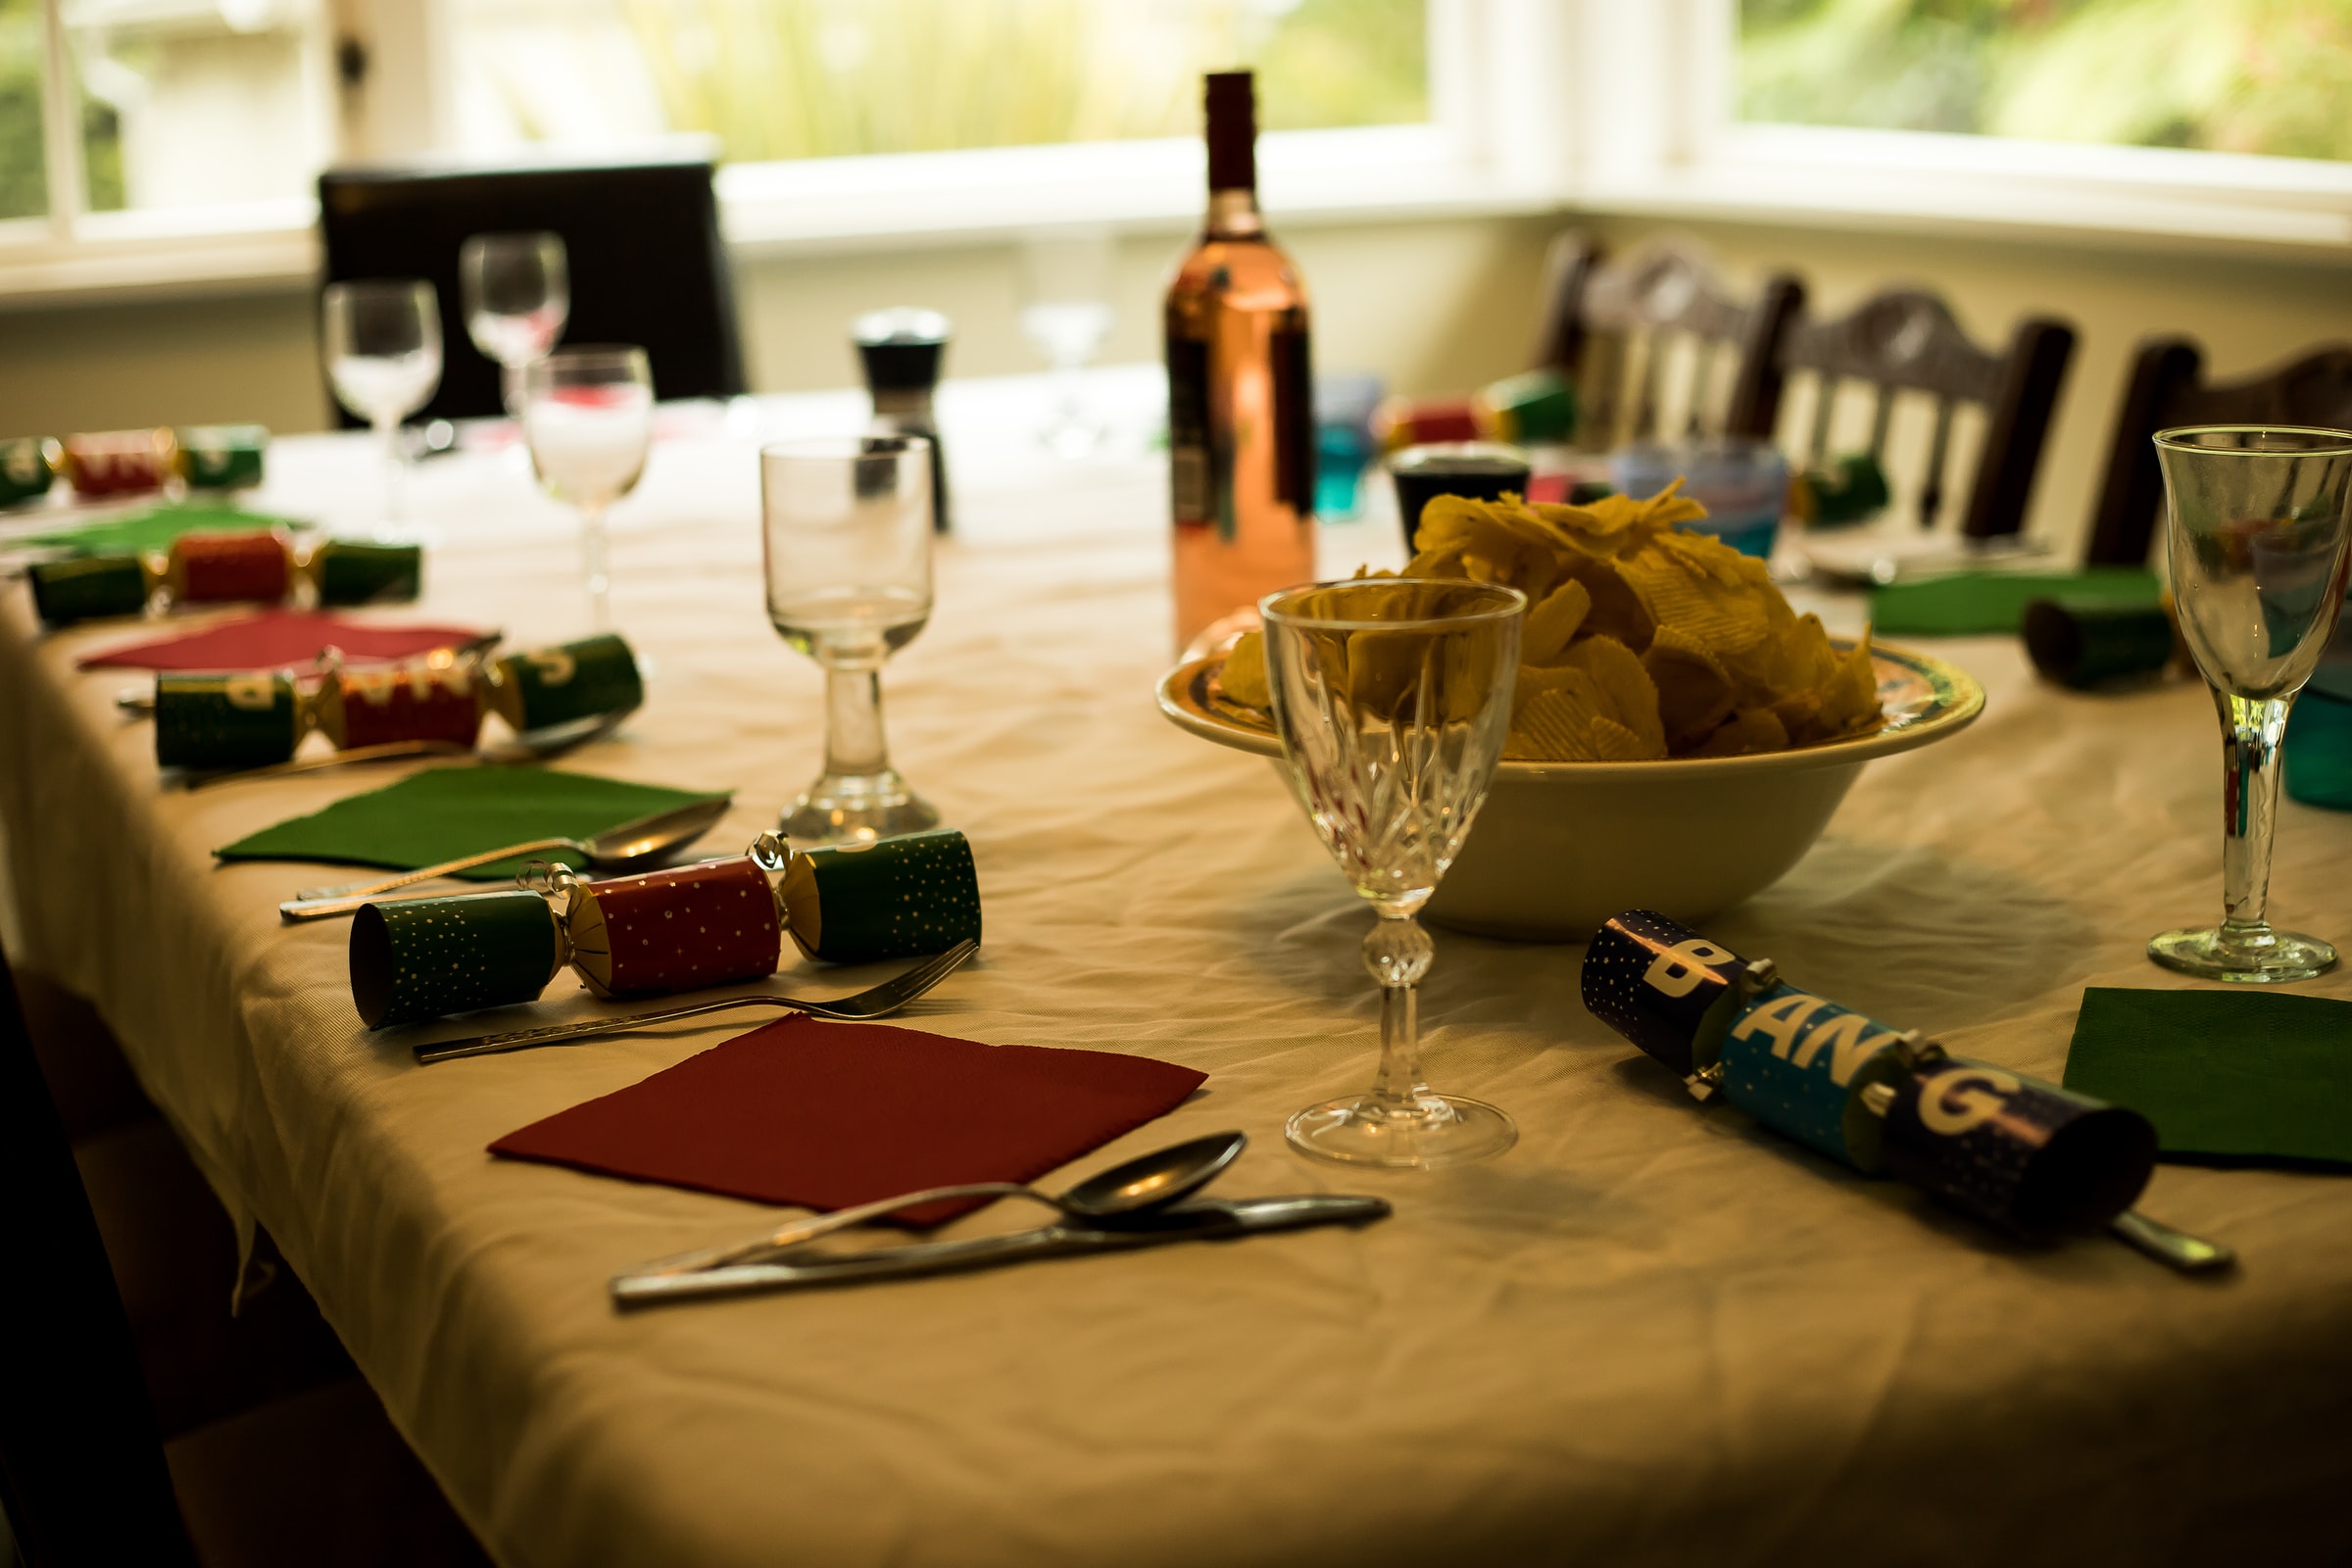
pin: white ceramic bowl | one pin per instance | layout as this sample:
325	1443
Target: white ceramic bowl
1560	847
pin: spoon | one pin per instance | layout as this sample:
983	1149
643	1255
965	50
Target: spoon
1148	1182
615	849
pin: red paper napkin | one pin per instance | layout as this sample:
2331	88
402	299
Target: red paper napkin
826	1115
279	637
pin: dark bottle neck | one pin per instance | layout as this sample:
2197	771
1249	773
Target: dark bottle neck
1232	130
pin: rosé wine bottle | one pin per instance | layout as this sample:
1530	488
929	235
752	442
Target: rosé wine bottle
1241	393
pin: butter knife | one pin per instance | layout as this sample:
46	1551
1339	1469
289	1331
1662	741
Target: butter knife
1198	1221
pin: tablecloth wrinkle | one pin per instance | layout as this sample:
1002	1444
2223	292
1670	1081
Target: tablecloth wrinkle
1651	1333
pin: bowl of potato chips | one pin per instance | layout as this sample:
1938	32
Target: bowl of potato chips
1679	736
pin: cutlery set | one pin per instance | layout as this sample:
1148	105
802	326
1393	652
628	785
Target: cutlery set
1147	1201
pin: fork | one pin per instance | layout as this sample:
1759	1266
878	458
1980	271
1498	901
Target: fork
553	744
879	1001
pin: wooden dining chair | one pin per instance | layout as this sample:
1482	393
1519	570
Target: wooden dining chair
1642	337
2167	388
641	241
86	1479
1905	340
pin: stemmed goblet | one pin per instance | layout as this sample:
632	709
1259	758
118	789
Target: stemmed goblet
517	295
847	528
1067	314
588	417
2256	538
1392	697
382	342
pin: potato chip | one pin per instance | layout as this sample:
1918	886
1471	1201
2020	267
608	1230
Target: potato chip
1243	678
1695	693
1555	619
1617	610
1628	699
1745	734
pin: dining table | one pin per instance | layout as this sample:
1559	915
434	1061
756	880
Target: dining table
1651	1332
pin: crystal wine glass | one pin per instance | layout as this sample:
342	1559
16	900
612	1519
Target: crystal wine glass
588	417
1067	314
1392	697
517	295
382	342
2256	538
846	525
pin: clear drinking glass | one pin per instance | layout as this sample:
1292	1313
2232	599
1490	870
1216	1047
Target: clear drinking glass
588	417
517	295
847	524
1392	697
1067	314
2256	540
381	338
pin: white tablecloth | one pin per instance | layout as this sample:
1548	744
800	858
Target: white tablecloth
1650	1333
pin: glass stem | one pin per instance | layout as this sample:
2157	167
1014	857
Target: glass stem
1397	954
854	744
387	436
596	557
2251	730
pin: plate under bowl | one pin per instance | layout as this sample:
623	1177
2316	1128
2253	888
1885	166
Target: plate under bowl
1560	847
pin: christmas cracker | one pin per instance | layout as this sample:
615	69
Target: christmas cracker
2028	1156
715	923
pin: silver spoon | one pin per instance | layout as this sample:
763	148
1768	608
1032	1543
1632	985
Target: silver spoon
1151	1181
616	849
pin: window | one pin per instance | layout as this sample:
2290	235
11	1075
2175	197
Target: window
2264	76
832	79
191	102
23	180
164	104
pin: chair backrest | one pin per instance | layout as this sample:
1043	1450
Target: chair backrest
1615	326
81	1464
2165	390
647	263
1905	339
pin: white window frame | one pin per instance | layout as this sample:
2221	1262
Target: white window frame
1537	106
1660	138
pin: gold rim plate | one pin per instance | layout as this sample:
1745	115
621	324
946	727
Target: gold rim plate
1922	699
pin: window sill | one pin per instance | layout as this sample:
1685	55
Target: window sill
2111	197
1306	178
912	201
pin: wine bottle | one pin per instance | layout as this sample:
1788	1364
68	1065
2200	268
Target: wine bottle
1241	391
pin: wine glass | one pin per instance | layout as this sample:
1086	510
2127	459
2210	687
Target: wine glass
588	417
1067	314
1392	697
517	294
382	342
2256	540
846	527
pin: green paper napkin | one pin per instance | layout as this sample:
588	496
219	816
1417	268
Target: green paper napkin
445	812
137	532
2234	1074
1971	603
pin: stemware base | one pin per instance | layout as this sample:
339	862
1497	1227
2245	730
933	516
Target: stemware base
1429	1131
856	808
2256	957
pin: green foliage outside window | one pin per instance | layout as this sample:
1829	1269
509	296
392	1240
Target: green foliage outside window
23	182
2267	76
816	78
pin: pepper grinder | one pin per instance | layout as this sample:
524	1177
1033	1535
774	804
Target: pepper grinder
902	349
